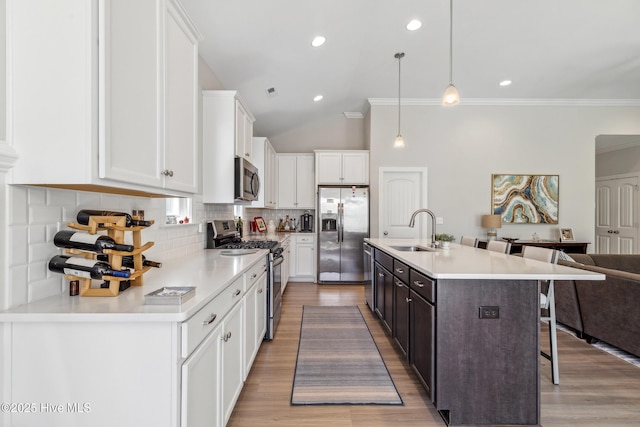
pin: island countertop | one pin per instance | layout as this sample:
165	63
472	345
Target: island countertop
464	262
208	271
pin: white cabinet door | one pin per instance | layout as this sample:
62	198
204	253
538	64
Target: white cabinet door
329	168
305	190
264	159
617	216
303	257
286	264
271	174
355	168
342	167
181	106
305	260
255	321
232	360
131	144
201	384
244	132
287	175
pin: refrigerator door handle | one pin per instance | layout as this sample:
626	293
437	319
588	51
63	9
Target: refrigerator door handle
340	222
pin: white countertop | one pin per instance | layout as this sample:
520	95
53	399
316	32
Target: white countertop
208	270
464	262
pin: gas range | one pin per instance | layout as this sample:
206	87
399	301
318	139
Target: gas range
222	234
251	244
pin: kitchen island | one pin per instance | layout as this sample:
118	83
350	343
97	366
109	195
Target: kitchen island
107	361
467	320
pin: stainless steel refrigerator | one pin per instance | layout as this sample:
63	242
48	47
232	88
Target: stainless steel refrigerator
343	223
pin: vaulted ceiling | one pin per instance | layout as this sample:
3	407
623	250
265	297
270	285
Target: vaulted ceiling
551	50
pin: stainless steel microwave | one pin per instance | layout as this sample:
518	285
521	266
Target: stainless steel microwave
247	181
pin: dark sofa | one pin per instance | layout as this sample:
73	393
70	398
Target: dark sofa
606	310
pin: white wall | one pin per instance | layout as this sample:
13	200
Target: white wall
337	132
462	146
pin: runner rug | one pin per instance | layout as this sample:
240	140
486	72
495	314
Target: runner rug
338	361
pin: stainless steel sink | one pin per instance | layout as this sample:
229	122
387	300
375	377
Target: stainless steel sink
413	248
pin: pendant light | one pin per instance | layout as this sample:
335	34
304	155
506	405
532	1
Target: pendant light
451	96
399	141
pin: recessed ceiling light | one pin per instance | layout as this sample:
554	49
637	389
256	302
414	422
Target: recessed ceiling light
505	83
317	98
318	41
414	25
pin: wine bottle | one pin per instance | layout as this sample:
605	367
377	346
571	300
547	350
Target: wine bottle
127	261
82	267
84	214
88	242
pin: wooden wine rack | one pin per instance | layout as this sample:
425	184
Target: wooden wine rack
116	229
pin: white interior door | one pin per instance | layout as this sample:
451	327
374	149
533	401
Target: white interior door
402	191
617	216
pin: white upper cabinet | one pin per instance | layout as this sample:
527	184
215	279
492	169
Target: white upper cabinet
264	158
222	113
342	167
295	181
117	106
244	132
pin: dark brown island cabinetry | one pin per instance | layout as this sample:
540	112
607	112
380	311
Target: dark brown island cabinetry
478	367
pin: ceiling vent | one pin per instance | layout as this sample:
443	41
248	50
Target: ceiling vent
353	115
271	92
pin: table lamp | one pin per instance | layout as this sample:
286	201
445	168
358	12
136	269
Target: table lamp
491	223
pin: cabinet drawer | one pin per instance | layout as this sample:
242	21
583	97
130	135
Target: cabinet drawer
204	321
304	239
401	271
423	286
384	259
251	276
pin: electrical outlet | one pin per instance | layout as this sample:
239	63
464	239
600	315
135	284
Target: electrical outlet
489	312
439	220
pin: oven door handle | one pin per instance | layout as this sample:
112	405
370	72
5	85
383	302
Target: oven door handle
277	261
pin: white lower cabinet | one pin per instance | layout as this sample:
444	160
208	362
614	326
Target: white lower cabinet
232	372
106	371
200	385
303	258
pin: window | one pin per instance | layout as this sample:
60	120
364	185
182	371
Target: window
178	210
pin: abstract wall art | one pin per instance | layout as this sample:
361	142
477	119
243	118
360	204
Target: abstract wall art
525	199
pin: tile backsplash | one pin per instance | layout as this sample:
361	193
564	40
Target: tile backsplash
36	214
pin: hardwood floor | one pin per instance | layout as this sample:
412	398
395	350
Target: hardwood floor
596	389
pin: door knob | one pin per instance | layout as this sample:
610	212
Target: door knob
386	233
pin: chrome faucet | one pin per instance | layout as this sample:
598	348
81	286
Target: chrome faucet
412	223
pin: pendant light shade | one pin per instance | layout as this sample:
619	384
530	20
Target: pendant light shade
399	141
451	96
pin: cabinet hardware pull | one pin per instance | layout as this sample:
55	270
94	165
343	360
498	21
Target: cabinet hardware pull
609	231
399	284
260	290
167	172
418	284
408	300
254	276
616	232
236	293
228	335
399	270
380	275
210	319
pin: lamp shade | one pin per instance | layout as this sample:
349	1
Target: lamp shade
491	221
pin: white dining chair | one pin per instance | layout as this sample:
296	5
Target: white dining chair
547	302
499	246
469	241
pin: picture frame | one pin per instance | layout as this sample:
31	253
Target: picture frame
260	224
566	235
525	199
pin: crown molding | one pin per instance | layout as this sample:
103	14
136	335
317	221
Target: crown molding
511	102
